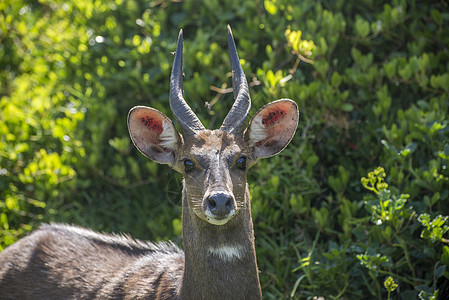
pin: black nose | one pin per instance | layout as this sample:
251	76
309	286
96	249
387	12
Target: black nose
220	205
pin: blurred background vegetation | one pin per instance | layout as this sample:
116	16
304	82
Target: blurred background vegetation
371	79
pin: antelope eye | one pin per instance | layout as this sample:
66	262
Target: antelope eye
241	163
189	166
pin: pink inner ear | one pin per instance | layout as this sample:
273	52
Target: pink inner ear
146	126
273	116
272	128
152	123
278	115
153	134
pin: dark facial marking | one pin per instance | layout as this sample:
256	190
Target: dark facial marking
272	117
152	124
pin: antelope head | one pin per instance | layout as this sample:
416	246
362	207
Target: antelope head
214	163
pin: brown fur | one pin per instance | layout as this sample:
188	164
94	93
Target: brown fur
65	262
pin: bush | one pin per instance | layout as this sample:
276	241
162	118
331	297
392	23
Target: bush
372	83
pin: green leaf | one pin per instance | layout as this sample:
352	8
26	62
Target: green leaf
436	16
348	107
439	271
362	27
270	6
409	149
336	80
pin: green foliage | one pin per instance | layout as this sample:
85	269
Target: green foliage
390	285
435	229
371	80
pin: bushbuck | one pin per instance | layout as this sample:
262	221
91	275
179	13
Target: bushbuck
60	261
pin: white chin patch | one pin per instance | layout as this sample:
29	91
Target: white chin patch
214	221
227	253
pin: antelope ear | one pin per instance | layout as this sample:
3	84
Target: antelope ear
272	128
153	134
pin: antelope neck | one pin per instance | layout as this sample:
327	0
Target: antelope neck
220	260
